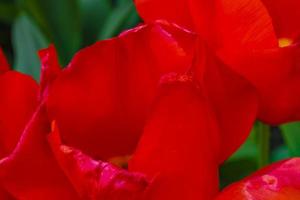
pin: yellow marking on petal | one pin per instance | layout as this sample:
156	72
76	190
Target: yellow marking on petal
285	42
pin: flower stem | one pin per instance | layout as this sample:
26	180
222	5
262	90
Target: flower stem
263	135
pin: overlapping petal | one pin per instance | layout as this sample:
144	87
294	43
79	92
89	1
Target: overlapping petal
233	99
275	73
245	36
180	144
96	179
280	181
101	99
50	69
30	171
285	16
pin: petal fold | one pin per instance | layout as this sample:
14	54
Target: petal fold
285	16
102	98
50	67
30	171
233	99
96	179
180	143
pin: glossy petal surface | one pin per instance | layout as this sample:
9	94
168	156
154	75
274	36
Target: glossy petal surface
280	181
179	147
101	99
96	179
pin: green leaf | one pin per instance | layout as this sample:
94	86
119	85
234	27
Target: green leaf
291	135
94	13
122	17
236	170
27	40
60	22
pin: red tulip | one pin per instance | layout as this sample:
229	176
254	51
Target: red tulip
101	103
104	95
280	181
256	38
178	158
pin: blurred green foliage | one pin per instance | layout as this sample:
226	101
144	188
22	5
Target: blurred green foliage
29	25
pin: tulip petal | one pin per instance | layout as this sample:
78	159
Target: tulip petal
275	74
285	16
5	196
96	179
179	147
280	181
30	171
243	25
233	99
151	10
50	67
18	99
222	23
102	98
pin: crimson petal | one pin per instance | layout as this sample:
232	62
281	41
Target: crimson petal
285	16
18	99
30	171
179	147
234	100
96	179
100	101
